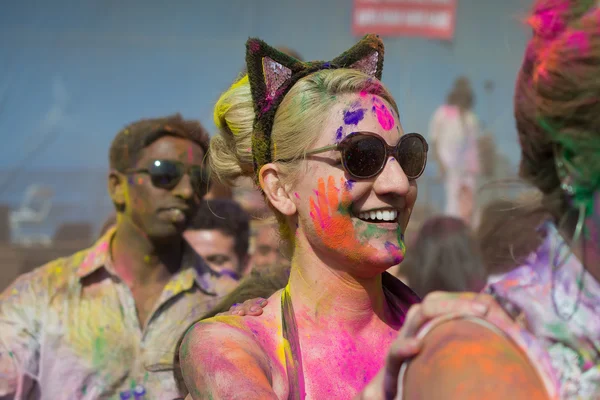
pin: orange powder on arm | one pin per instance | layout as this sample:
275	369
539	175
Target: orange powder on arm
464	360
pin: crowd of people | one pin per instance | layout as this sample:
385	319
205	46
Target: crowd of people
271	262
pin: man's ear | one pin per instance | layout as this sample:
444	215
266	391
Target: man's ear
275	191
117	189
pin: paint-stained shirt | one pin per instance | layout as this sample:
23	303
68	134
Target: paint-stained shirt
69	329
562	308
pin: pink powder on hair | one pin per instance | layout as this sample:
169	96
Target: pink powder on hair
579	41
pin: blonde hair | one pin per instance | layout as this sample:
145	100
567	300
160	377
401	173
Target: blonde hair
297	123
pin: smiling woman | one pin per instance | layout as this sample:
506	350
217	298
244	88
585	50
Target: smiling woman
324	142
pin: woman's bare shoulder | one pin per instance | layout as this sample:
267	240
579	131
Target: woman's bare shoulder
225	349
468	360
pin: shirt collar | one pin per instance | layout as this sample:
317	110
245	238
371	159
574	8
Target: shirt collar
193	268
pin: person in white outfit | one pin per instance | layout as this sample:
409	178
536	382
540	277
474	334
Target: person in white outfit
453	131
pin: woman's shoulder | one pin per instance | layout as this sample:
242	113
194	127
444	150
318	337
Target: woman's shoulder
256	328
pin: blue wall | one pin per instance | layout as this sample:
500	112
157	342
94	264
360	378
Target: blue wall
72	73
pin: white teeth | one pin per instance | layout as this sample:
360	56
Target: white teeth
379	215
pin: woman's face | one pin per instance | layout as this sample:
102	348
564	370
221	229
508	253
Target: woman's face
352	222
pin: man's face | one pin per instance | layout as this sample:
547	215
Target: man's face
266	249
217	249
160	212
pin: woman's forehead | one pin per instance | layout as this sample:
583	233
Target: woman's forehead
360	112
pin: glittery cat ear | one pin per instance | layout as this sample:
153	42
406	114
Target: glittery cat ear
269	72
275	75
365	56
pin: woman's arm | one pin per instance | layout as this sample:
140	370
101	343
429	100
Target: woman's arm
461	359
220	361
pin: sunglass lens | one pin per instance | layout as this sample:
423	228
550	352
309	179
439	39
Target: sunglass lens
364	156
411	156
165	174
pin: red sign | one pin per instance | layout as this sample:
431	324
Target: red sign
425	18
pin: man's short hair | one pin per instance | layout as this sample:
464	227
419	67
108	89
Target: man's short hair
228	217
127	146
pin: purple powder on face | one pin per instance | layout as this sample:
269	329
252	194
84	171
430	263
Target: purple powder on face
339	133
349	184
354	117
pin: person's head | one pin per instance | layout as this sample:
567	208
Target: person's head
266	250
158	175
220	233
461	95
556	105
321	204
445	256
507	233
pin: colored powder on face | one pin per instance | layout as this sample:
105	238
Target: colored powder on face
140	180
353	117
130	180
349	184
384	116
332	220
363	94
339	133
395	252
297	195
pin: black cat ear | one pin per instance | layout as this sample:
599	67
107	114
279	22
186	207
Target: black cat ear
269	72
365	56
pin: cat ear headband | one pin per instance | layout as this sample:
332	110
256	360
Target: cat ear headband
272	74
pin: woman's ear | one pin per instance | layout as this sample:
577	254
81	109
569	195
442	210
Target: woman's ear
274	189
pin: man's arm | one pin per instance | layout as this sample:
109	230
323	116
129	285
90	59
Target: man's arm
465	360
19	344
219	361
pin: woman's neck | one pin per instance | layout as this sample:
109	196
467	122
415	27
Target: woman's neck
326	296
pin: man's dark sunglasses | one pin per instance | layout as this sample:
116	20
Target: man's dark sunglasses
365	154
166	174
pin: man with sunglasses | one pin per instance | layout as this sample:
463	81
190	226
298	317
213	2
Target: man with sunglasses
104	322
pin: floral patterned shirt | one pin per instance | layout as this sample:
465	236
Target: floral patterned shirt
568	327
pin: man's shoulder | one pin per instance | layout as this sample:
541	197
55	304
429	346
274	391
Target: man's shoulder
49	277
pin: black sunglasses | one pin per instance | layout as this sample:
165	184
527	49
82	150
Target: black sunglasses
166	174
365	154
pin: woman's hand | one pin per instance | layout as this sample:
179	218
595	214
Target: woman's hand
406	345
252	307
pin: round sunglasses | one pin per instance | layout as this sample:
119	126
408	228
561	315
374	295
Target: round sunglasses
166	174
365	154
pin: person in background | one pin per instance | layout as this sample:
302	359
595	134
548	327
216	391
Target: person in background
267	250
445	256
220	234
453	132
86	326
